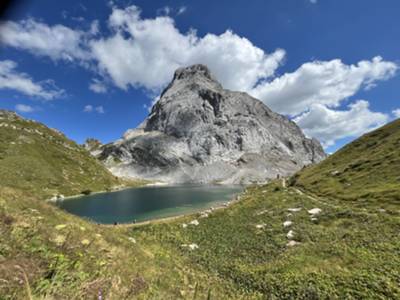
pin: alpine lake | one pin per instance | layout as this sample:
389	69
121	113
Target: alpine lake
148	203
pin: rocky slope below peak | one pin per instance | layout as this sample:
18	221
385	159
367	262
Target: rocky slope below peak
200	132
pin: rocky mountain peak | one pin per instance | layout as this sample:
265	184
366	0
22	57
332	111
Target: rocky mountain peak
200	132
195	77
192	72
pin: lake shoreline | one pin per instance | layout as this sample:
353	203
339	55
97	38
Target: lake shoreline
183	200
225	205
115	189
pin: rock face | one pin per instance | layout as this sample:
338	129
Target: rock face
93	146
200	132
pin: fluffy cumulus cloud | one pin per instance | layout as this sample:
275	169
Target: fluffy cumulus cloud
56	42
313	93
24	108
329	125
98	86
322	82
140	52
23	83
146	52
90	108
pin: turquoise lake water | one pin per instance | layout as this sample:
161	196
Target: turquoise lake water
147	203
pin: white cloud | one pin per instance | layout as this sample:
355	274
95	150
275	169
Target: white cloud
97	86
396	112
21	82
329	125
57	42
90	108
181	10
100	109
322	82
24	108
146	52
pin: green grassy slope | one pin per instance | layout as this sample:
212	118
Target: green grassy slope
50	254
350	250
367	170
43	162
346	253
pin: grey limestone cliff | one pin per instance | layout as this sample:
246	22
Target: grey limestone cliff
200	132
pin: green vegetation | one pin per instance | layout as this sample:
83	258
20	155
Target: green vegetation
64	257
43	162
346	253
349	250
366	171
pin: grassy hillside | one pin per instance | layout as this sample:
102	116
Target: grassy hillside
367	170
265	246
49	254
349	250
345	252
43	162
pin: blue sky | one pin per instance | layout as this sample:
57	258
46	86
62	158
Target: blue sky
93	68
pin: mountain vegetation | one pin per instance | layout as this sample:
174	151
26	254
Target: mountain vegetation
43	162
329	232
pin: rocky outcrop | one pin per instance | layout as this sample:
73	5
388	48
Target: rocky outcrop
200	132
93	146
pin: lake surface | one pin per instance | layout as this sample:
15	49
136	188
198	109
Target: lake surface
146	203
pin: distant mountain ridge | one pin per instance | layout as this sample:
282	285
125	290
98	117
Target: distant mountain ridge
200	132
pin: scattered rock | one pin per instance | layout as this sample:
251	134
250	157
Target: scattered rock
262	212
193	246
287	223
260	226
61	226
204	215
290	234
289	215
184	225
297	209
292	243
315	211
85	242
190	246
132	240
59	240
335	173
194	222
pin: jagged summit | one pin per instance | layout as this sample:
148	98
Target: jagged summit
200	132
192	77
193	71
